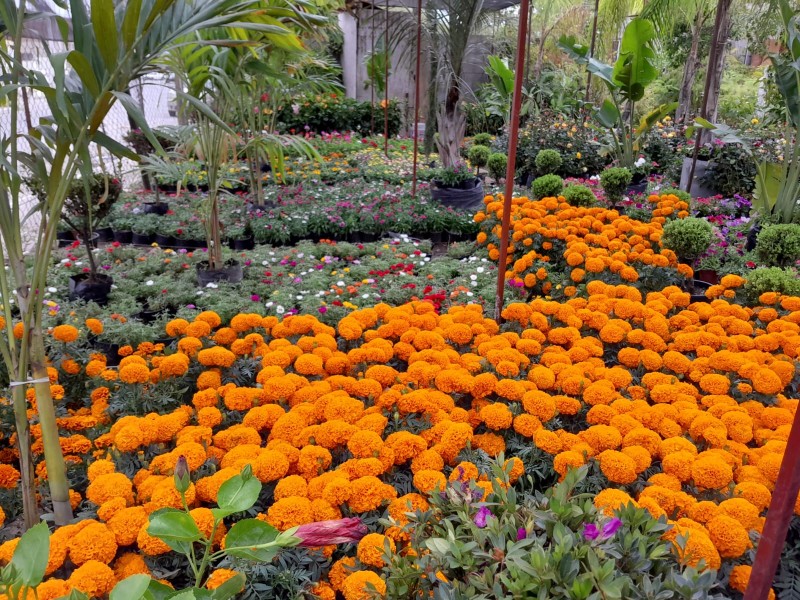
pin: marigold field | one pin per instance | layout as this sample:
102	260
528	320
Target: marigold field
682	408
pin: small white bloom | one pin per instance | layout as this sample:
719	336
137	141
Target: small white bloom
149	282
473	277
280	310
52	290
469	293
365	295
299	297
340	283
212	285
268	304
480	269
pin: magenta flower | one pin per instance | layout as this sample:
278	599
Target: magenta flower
255	297
322	310
521	534
335	531
592	532
481	516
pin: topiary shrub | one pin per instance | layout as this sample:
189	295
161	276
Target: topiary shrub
497	164
615	181
479	156
547	186
547	162
688	238
779	245
482	139
771	279
579	195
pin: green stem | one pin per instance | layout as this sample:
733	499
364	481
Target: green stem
207	554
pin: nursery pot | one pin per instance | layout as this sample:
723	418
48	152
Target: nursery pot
123	237
752	237
105	234
636	188
143	239
94	290
111	351
92	241
707	275
699	189
164	240
243	244
156	208
230	272
469	199
699	291
65	238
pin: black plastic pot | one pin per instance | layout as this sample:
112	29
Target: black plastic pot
143	239
94	241
111	351
752	237
156	208
699	291
105	234
164	240
369	237
232	273
123	237
167	188
636	188
94	290
65	238
354	237
243	244
470	199
435	237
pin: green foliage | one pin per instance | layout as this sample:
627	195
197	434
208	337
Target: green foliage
497	165
547	186
482	139
479	156
615	181
779	245
453	176
579	195
771	279
28	563
688	238
670	191
731	171
333	112
547	161
533	545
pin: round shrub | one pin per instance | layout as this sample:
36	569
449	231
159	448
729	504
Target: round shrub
771	279
615	181
482	139
547	186
479	156
497	164
547	162
688	238
683	196
779	245
579	195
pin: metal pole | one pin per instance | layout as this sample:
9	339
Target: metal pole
372	75
780	511
591	48
416	100
712	59
513	136
386	85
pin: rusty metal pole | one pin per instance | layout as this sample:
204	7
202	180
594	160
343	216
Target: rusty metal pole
416	100
386	85
591	48
513	136
372	74
773	537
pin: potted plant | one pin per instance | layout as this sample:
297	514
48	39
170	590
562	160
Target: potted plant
689	238
497	164
64	235
547	162
144	229
241	237
615	182
456	186
478	157
708	267
547	186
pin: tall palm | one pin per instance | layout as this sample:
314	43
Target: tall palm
548	16
114	43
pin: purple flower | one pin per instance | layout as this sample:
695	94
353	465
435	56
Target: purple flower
255	297
590	531
521	534
481	516
322	310
611	527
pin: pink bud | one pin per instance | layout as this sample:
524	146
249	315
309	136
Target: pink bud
336	531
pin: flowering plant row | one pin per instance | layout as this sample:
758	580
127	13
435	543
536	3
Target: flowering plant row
677	408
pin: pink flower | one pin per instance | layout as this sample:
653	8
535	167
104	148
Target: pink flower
335	531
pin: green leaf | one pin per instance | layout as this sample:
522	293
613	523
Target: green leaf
31	555
105	31
608	114
130	22
252	539
230	588
131	588
158	591
634	68
174	527
237	495
501	76
84	71
113	146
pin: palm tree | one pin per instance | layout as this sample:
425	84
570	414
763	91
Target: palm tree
548	17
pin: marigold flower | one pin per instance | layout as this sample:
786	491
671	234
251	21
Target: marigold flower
363	585
93	578
65	333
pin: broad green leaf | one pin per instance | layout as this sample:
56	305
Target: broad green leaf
230	588
158	591
130	22
131	588
252	539
31	555
105	31
84	71
608	114
237	495
634	68
184	595
170	524
501	76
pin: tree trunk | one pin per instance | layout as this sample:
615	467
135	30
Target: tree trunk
56	469
433	92
30	508
690	71
721	42
452	124
537	70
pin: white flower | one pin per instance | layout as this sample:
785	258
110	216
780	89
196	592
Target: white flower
340	283
473	277
469	293
365	295
299	297
200	292
473	283
52	290
480	269
264	262
212	285
268	304
280	310
149	282
639	162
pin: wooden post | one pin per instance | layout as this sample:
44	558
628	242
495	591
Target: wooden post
416	100
513	137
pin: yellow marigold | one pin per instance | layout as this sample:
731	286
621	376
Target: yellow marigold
94	325
610	499
756	493
740	576
340	570
52	589
216	357
567	460
698	547
711	472
125	524
149	545
742	510
108	486
369	493
363	585
130	563
93	578
618	467
65	333
290	512
371	549
9	477
548	441
496	416
218	577
728	535
134	373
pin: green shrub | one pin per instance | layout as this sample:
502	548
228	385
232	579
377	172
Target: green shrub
615	181
684	196
771	279
482	139
548	162
547	186
579	195
779	245
688	238
497	164
479	156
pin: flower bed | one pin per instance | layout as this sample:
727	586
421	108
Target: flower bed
680	409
